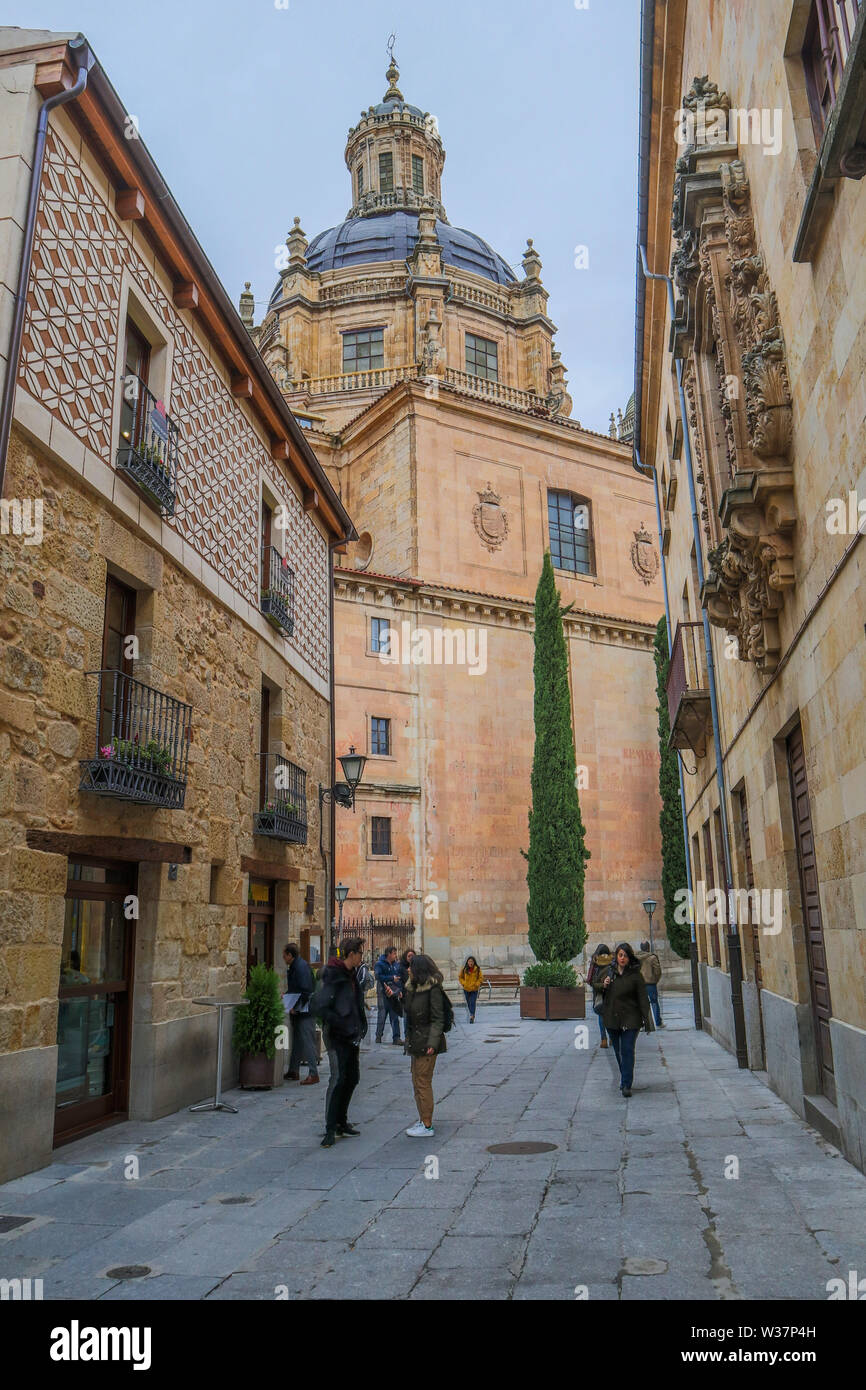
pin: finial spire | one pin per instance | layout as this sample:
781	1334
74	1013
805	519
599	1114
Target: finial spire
393	93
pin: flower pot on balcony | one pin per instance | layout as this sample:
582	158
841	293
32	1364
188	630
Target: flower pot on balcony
552	1002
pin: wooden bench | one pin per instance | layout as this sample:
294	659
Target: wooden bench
500	977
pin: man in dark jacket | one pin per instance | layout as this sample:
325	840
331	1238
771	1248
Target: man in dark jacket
390	980
340	1005
626	1007
299	981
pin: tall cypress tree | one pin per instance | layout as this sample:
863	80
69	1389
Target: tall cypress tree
674	875
557	855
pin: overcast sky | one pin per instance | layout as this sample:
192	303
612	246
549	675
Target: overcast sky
245	107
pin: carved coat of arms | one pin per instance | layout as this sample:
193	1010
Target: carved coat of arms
490	518
644	556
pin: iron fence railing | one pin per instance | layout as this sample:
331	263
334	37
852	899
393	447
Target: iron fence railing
379	933
149	444
283	811
278	590
142	743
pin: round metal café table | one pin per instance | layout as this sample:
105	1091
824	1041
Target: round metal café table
220	1005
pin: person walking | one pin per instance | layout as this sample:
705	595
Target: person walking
471	979
428	1014
602	957
650	968
625	1008
300	983
340	1005
387	970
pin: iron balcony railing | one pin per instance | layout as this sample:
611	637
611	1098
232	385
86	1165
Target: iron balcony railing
283	813
278	590
148	451
834	24
142	743
688	690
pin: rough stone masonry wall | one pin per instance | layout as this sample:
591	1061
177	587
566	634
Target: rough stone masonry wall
192	648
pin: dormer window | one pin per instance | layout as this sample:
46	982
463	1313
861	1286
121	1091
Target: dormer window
386	172
417	173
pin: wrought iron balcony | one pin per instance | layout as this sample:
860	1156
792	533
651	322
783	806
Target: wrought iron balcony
283	814
278	590
142	743
688	690
148	445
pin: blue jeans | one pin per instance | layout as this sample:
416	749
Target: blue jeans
623	1041
471	997
388	1011
653	996
601	1027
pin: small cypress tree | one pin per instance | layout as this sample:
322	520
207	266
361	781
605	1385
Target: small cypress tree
557	854
674	876
256	1024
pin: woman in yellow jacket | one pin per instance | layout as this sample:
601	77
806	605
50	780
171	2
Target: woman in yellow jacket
471	979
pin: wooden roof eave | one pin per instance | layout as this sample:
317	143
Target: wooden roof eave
101	117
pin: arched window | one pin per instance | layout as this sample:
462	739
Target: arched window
570	524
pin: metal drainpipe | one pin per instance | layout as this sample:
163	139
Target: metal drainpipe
735	957
646	470
82	52
330	926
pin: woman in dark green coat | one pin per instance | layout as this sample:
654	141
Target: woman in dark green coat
625	1009
424	1009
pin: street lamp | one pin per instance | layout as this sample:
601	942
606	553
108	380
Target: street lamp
649	907
341	794
341	893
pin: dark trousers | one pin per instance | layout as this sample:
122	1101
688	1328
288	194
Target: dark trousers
304	1043
348	1076
471	1000
623	1043
653	996
388	1010
601	1027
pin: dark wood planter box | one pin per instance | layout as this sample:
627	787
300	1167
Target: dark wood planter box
552	1003
256	1072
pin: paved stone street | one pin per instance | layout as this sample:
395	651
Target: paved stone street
633	1203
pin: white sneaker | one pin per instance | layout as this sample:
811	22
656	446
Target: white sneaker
419	1131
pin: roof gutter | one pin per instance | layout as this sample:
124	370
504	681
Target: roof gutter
80	50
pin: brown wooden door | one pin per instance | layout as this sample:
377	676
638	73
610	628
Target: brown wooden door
95	997
119	624
813	925
750	884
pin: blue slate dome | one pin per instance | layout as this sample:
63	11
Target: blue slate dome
391	236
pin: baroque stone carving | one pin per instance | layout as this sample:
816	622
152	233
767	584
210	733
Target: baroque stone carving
490	519
750	570
644	556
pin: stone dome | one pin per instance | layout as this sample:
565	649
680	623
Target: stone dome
391	236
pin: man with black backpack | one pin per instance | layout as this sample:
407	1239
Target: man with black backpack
429	1016
339	1003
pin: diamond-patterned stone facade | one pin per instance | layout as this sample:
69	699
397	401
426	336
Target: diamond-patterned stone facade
72	353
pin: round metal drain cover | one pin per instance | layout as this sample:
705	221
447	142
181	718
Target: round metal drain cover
233	1201
128	1272
634	1265
521	1146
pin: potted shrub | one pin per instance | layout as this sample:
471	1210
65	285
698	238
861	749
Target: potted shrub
552	989
255	1028
557	855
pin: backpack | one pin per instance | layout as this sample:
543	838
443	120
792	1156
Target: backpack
449	1012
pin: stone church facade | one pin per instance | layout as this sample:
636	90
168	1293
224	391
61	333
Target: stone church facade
753	199
426	374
